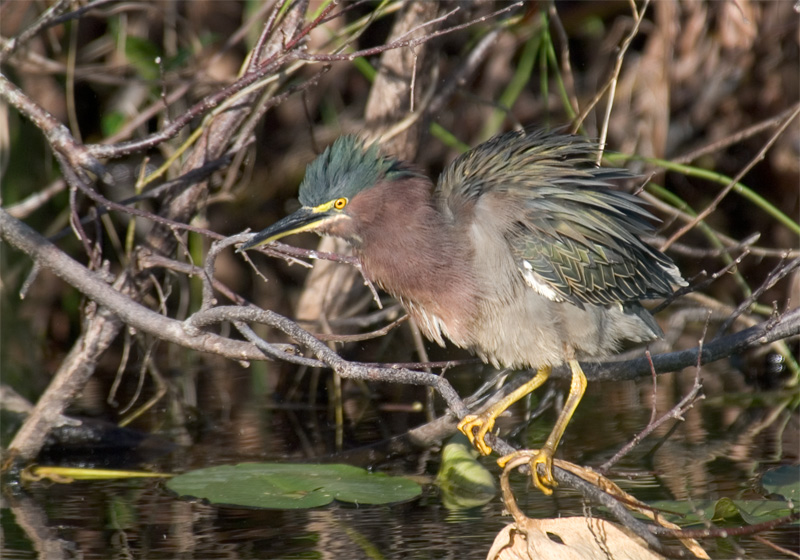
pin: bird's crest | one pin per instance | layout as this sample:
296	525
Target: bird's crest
344	169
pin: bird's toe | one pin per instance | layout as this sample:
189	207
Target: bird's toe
468	426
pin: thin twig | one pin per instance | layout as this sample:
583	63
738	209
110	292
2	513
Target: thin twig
724	532
82	10
675	413
56	134
735	138
777	273
612	89
26	207
776	547
695	286
654	377
45	20
326	337
735	181
400	43
463	71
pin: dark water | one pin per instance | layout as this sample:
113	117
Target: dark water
721	448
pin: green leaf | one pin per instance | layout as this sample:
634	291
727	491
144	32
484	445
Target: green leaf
726	510
464	482
292	486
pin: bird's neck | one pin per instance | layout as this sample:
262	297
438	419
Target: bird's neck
411	250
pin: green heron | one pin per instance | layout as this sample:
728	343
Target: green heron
521	254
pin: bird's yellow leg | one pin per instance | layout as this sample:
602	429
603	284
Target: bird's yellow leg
484	422
545	455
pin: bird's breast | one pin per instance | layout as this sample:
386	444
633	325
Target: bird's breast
439	295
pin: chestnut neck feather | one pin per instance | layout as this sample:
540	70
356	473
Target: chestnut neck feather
411	250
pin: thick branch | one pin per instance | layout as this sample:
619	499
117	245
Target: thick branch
764	333
49	256
44	253
189	334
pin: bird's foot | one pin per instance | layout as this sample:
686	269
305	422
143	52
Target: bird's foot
484	424
543	481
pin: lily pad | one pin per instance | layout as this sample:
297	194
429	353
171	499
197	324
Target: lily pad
783	482
723	511
292	486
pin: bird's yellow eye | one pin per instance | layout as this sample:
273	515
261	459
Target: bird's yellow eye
340	203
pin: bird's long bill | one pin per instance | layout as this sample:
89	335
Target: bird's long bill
305	219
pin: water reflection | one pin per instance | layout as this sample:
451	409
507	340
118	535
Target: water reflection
718	450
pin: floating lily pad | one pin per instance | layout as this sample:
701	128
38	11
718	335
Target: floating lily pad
722	511
783	481
292	486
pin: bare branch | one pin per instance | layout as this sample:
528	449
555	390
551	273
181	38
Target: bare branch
735	181
57	135
49	17
612	84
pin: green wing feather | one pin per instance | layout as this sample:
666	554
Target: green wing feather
567	227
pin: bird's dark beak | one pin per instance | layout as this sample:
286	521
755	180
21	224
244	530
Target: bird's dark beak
305	219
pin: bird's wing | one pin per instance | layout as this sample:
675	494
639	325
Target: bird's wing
584	246
574	239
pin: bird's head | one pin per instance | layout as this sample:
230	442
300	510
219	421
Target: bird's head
333	182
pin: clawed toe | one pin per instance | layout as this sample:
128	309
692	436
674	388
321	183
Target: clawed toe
484	425
544	481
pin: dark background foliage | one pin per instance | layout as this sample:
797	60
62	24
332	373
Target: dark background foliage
704	92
